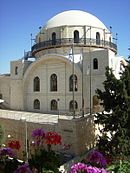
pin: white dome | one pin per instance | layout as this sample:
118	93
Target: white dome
74	17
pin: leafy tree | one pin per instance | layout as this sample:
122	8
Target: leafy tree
115	118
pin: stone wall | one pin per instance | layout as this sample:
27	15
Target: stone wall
5	90
76	133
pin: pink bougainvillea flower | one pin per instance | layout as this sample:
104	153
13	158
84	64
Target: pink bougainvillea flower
79	167
83	168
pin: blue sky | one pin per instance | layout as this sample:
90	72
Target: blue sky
18	19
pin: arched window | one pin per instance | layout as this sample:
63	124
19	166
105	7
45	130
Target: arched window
95	63
73	105
54	105
16	70
0	96
53	82
36	104
39	39
97	38
71	82
36	84
110	39
53	38
76	36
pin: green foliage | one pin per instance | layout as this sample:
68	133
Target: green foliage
44	160
120	167
11	165
47	171
8	165
115	119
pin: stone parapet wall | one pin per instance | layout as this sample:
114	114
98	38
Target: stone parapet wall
77	134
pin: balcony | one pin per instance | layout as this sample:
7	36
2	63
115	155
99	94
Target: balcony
83	42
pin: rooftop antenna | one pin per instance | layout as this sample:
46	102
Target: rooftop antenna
32	39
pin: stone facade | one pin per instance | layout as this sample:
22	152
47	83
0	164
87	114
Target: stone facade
69	60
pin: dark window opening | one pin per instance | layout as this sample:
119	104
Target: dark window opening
110	39
53	38
95	63
1	96
73	105
97	38
36	84
54	105
73	80
36	104
53	82
76	36
16	70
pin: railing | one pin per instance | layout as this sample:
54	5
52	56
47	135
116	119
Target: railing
69	41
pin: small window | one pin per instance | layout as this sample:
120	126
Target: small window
110	39
39	39
73	105
1	96
36	104
71	82
54	105
95	63
76	36
16	70
36	84
97	38
53	38
53	82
